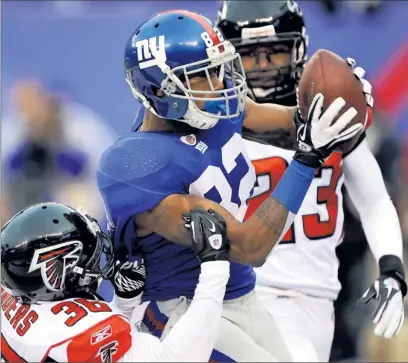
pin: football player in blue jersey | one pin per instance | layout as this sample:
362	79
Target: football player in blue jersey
188	153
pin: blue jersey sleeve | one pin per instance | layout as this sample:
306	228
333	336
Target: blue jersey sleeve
135	175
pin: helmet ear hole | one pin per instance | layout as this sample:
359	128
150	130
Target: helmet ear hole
181	77
157	92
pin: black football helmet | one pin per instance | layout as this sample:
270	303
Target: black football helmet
50	251
272	29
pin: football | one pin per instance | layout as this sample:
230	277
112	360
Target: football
329	74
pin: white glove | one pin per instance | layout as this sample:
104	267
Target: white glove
389	313
317	137
323	133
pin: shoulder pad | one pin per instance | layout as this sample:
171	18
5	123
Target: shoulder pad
134	156
106	341
138	172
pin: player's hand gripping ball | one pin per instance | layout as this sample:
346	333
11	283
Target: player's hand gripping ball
328	74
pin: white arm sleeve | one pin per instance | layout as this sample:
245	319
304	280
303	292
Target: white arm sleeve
193	337
365	185
126	306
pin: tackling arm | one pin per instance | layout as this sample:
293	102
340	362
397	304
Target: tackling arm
193	337
367	190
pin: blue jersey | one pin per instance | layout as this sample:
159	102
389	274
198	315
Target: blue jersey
143	168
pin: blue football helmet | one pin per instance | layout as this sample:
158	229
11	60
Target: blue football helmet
167	51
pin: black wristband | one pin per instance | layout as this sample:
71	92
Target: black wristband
128	294
312	159
392	266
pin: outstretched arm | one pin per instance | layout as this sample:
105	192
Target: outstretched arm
252	241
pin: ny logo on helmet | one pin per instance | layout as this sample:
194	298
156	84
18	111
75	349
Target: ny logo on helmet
150	51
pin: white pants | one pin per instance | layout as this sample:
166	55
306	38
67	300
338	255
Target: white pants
247	332
305	322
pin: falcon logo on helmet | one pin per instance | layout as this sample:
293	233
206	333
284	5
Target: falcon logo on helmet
54	261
